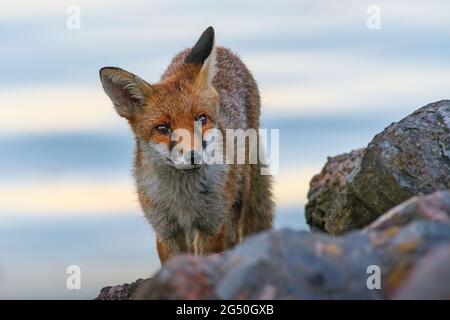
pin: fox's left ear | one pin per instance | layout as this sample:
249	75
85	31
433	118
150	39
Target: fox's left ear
204	53
127	91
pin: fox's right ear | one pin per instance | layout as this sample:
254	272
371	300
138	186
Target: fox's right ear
204	53
128	92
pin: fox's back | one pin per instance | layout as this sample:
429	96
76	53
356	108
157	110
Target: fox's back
239	96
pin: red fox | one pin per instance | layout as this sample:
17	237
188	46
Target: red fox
194	208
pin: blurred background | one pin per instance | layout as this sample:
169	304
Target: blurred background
327	81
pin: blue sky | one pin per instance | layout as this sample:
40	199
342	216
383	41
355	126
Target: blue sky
326	81
314	61
308	57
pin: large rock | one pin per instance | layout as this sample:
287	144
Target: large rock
411	157
119	292
289	264
430	279
326	186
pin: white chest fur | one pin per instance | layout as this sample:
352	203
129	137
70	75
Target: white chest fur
184	200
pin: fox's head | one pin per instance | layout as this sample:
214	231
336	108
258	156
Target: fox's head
174	113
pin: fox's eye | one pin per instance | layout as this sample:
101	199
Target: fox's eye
163	129
203	118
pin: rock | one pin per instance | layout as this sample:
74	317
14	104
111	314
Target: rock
430	279
411	157
120	292
430	207
184	270
287	264
327	185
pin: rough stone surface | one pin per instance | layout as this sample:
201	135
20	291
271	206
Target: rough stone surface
410	157
119	292
430	279
289	264
327	185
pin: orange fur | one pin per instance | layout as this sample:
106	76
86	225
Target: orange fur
222	89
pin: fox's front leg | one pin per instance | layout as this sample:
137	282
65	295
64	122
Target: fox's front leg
206	243
199	243
169	247
163	250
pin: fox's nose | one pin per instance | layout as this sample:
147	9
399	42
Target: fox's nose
194	157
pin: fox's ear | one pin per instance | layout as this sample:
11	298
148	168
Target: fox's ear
127	91
204	53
